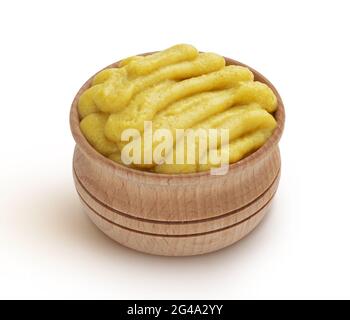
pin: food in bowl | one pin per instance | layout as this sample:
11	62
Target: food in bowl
178	90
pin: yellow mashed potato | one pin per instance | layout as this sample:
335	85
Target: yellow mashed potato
178	88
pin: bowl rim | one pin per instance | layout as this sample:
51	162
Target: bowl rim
88	150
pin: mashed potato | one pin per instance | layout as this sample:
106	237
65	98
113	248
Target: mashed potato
178	88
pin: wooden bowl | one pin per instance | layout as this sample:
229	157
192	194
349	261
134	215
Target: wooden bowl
176	214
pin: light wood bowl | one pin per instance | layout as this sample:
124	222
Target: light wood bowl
176	214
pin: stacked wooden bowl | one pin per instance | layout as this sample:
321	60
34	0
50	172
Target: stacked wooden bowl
176	214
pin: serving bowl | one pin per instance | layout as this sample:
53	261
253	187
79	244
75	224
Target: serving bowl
177	214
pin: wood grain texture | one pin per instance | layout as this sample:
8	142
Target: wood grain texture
173	227
186	245
195	213
181	199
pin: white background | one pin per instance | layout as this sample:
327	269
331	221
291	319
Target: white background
50	249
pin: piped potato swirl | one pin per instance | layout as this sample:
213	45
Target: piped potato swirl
178	88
